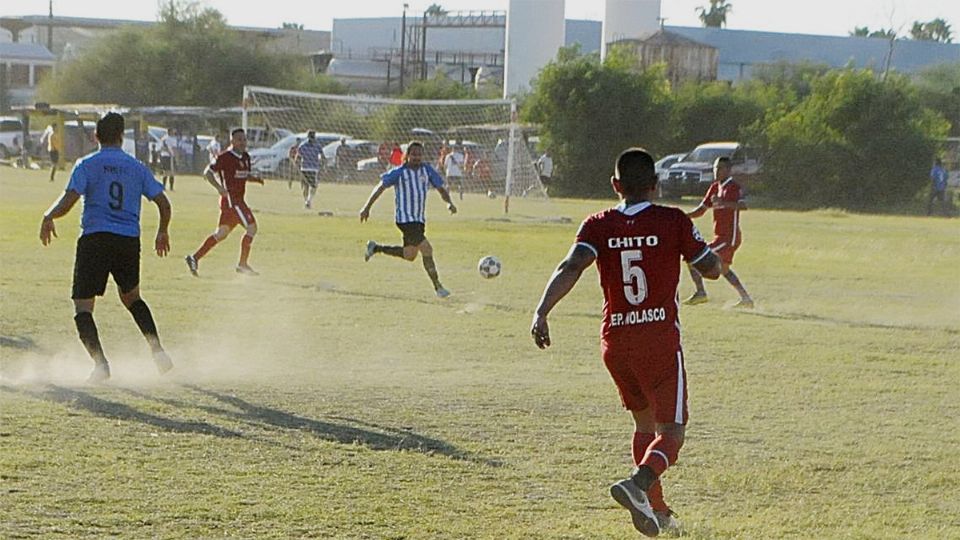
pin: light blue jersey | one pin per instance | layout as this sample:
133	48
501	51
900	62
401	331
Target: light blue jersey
111	183
310	155
410	188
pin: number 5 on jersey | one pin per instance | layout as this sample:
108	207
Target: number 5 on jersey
635	282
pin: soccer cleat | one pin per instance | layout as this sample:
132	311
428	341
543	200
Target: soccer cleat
631	497
371	246
192	264
100	373
669	524
744	303
696	298
163	362
442	293
246	270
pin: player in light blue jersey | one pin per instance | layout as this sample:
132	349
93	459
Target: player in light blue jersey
111	184
410	182
310	153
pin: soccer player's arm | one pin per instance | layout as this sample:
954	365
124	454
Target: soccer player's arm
568	272
696	252
70	196
706	203
153	191
437	181
210	173
387	179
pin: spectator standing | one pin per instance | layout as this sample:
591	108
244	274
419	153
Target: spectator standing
54	141
938	187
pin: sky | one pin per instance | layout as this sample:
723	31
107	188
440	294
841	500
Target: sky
823	17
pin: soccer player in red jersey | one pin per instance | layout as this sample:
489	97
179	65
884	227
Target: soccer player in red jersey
726	199
637	247
229	174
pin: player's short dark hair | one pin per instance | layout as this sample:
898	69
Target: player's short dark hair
724	160
110	128
234	132
635	170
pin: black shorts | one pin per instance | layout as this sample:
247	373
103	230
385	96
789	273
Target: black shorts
309	178
101	254
545	180
54	157
413	233
166	164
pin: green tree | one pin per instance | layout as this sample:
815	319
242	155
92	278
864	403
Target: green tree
191	57
291	26
716	111
939	90
854	142
936	30
590	111
716	16
435	10
863	31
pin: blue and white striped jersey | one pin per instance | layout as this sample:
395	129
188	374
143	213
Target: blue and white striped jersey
410	188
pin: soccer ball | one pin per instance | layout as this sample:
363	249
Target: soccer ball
489	267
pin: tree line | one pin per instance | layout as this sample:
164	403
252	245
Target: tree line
845	138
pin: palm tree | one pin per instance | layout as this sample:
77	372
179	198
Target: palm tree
435	10
716	16
935	30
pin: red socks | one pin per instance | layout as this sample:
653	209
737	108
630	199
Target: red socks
641	441
661	453
245	249
207	246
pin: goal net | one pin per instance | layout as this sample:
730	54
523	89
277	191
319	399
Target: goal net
360	134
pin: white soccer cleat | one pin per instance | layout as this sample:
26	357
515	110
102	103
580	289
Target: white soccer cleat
371	246
631	497
442	293
163	362
669	524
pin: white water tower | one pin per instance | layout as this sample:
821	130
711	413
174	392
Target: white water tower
535	32
629	19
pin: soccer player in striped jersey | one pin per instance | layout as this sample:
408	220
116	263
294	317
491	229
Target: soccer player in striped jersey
725	197
637	247
229	174
410	182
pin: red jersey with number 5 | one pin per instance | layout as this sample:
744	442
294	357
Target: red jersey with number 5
233	170
638	250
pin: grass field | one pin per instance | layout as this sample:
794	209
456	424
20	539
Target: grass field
334	398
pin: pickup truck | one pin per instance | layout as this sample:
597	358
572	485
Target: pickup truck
693	174
11	137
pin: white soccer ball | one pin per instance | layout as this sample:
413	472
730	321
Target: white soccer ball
489	267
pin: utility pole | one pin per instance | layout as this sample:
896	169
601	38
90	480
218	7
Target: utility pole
50	29
403	44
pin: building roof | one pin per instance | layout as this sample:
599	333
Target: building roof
25	51
749	48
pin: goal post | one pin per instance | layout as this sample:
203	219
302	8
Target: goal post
360	134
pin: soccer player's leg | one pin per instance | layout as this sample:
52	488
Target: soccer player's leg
663	378
626	492
726	256
407	251
250	225
227	222
426	252
90	272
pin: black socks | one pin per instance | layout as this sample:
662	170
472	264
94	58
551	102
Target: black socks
89	336
144	319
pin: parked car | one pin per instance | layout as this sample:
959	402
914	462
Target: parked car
275	160
356	150
693	174
663	165
11	136
264	137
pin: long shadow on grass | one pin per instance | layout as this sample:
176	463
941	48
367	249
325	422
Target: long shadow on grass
847	323
18	342
332	289
120	411
346	431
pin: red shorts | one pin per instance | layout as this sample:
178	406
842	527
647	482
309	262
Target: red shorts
649	378
239	214
725	249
